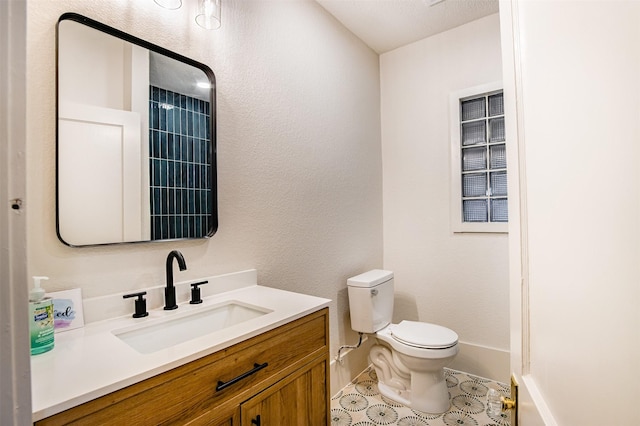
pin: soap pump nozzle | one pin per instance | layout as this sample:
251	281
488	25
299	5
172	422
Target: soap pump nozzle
37	293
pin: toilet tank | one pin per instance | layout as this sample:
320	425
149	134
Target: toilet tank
371	300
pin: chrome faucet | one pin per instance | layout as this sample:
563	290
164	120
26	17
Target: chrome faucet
170	290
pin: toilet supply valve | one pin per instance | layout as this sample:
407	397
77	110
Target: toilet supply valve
195	292
339	356
140	303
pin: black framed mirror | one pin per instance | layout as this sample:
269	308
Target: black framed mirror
136	139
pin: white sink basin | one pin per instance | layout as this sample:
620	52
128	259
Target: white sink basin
166	332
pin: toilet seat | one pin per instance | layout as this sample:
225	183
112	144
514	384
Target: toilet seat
388	337
424	335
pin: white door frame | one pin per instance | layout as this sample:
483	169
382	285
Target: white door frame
533	410
15	379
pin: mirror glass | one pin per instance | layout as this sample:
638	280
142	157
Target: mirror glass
135	139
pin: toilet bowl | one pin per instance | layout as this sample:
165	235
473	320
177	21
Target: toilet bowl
409	357
411	369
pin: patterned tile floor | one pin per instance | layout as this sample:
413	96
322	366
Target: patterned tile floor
360	404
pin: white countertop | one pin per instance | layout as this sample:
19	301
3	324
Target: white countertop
89	362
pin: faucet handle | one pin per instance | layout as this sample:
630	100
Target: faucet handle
195	292
141	304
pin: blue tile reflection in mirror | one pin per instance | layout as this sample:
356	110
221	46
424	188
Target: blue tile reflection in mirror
179	165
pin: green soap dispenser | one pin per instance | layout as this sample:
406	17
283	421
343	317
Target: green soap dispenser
40	319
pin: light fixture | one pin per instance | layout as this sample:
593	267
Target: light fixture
208	15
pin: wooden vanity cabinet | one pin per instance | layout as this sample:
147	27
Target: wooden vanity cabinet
282	377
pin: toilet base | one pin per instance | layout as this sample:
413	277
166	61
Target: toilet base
429	392
421	390
424	395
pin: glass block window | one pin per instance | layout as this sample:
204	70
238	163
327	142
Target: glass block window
179	165
479	148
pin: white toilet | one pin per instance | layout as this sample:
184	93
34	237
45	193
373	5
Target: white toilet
409	357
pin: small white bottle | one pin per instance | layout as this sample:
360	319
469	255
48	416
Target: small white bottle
41	322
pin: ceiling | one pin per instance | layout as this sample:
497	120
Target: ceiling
385	25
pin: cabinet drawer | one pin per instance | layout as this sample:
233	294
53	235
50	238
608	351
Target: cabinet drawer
189	391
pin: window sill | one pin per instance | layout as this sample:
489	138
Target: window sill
487	228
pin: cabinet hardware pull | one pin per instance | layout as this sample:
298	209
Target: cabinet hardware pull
256	421
256	367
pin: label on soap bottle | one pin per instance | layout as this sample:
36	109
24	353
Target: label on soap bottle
41	326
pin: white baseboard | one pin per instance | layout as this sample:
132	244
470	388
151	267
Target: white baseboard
478	360
482	361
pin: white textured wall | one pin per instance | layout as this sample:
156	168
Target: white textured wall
581	106
456	280
299	165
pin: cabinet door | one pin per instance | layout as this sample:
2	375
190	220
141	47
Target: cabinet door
299	399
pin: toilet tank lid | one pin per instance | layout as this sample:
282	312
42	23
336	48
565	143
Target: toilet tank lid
370	279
